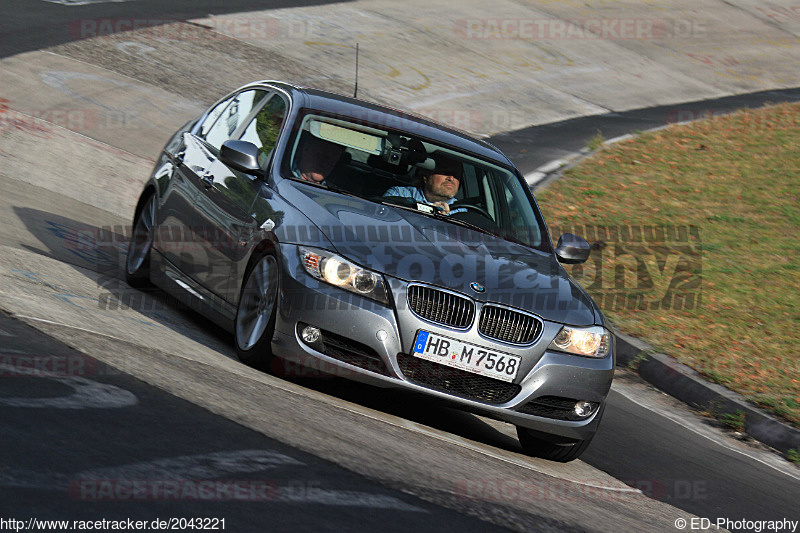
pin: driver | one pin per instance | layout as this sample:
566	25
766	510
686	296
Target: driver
436	187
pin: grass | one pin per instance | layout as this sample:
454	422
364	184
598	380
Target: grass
794	455
696	237
596	141
734	421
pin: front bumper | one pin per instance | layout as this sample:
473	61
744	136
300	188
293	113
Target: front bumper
371	343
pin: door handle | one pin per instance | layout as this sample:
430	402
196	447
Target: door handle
178	158
208	179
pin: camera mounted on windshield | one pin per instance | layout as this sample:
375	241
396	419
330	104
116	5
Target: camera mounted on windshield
403	151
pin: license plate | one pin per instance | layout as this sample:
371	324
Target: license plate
465	356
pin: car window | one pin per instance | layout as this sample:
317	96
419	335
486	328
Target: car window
264	128
212	117
401	169
234	115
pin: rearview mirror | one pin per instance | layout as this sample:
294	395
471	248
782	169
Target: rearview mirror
572	249
241	156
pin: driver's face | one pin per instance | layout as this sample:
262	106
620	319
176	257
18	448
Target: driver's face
441	187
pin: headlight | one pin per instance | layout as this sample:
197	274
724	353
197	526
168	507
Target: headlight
594	341
336	270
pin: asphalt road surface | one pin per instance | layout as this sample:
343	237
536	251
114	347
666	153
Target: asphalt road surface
561	140
83	441
32	25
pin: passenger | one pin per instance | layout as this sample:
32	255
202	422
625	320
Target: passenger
436	187
315	159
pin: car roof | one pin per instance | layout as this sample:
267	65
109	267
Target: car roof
390	118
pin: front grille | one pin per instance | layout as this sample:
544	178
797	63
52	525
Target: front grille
441	307
454	381
551	407
508	325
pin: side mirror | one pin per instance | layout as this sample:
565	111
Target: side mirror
241	156
572	249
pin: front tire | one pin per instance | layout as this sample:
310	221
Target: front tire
256	312
137	262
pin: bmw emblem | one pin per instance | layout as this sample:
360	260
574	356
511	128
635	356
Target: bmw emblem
477	287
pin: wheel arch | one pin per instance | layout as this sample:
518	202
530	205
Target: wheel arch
266	245
150	189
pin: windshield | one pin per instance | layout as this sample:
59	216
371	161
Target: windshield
402	170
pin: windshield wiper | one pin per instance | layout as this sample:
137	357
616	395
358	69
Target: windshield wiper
467	225
409	204
434	212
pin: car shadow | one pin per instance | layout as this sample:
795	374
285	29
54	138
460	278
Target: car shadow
99	254
410	406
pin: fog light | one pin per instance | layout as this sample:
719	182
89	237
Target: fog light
310	334
584	409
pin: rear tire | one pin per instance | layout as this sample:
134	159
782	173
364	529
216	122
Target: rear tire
256	312
137	262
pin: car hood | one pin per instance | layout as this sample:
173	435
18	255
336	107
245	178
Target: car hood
414	247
